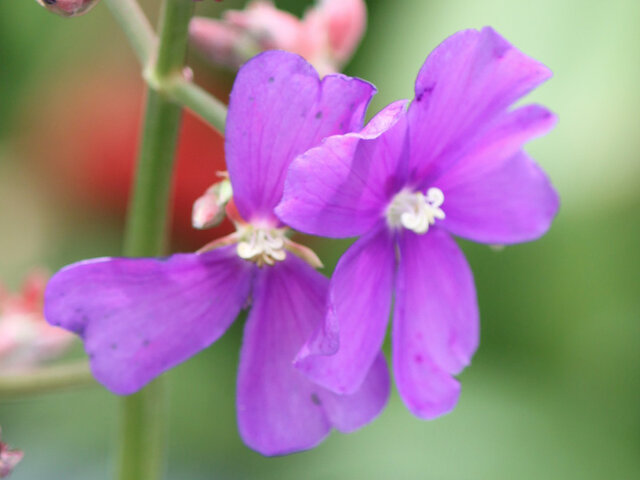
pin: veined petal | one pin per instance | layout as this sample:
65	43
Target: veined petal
340	189
278	109
435	325
359	304
498	144
140	317
512	203
279	410
465	84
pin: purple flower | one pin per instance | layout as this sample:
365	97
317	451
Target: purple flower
450	163
140	317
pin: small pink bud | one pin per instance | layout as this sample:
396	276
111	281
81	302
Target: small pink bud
209	209
8	458
25	337
68	8
187	74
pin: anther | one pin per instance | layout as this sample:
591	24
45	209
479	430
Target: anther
416	211
262	246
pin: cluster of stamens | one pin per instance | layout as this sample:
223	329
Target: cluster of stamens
414	210
263	246
258	242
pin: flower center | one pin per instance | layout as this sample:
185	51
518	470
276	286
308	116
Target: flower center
264	246
259	242
415	210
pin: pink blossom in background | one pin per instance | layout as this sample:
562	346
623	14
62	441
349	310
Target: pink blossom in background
327	35
25	338
336	27
9	458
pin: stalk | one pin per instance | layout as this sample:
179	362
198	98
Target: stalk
142	431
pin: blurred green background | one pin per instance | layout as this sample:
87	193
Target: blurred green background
554	389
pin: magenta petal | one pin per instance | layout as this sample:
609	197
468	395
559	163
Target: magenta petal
513	203
466	82
279	410
340	189
140	317
428	391
360	300
498	144
278	109
350	412
435	325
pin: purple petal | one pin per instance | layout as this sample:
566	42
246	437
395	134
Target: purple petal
279	410
360	300
278	109
468	81
340	189
499	143
350	412
513	203
435	325
140	317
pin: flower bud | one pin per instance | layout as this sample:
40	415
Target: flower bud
209	209
25	337
68	8
8	458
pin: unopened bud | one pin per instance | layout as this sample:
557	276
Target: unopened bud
209	209
9	458
68	8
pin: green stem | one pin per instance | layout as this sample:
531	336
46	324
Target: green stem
148	212
142	429
142	434
174	36
45	379
200	102
135	26
131	19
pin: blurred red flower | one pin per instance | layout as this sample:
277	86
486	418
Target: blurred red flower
86	138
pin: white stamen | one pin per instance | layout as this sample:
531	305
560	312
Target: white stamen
264	246
415	211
